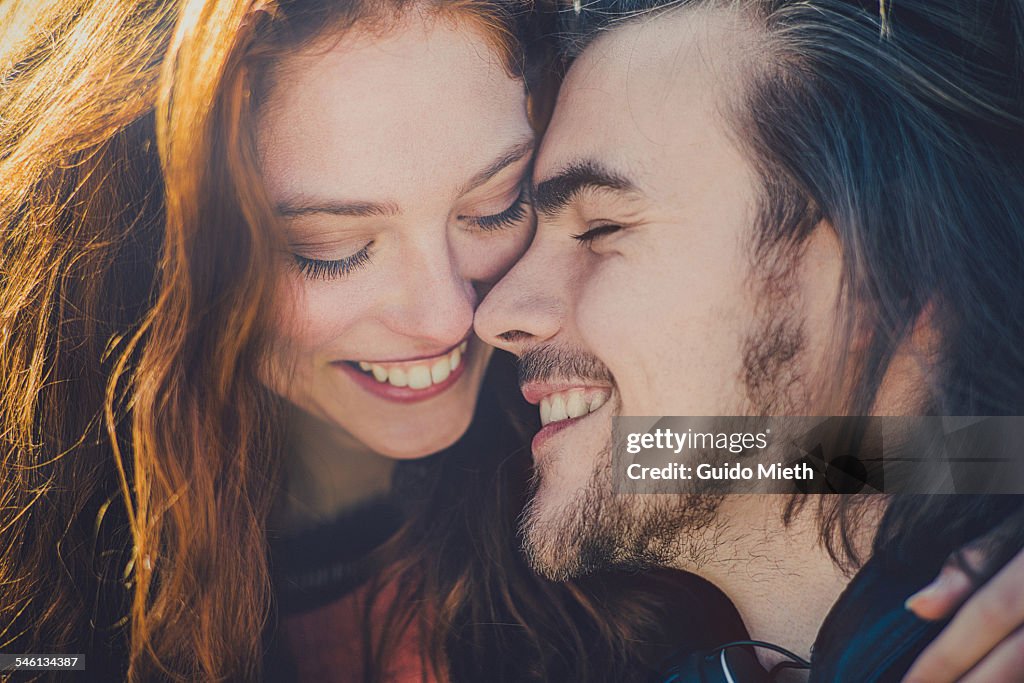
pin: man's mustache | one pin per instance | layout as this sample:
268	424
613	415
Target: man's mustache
548	363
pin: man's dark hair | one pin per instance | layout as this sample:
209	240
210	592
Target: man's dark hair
901	124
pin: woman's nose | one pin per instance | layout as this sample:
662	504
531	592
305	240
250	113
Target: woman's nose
436	302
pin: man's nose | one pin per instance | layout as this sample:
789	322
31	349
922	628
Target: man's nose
526	307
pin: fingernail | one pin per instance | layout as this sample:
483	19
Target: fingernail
930	591
914	599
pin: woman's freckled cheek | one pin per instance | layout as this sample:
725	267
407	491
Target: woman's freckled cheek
316	315
487	260
490	262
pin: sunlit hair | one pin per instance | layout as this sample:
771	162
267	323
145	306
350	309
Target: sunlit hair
138	455
899	125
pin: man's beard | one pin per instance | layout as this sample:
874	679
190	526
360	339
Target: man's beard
599	529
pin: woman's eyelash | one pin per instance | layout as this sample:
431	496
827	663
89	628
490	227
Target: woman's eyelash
315	269
507	218
588	236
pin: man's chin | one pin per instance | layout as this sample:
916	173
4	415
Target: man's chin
548	559
571	535
558	558
555	534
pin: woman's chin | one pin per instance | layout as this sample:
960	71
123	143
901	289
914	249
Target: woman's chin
411	444
413	451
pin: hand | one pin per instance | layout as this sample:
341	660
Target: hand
985	640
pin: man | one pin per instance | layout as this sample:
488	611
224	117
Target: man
778	208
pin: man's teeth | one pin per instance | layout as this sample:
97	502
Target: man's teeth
573	403
418	375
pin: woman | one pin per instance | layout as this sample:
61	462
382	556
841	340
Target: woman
238	278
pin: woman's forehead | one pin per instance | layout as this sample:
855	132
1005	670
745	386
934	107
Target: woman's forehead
426	101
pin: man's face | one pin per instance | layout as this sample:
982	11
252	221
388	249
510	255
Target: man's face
641	293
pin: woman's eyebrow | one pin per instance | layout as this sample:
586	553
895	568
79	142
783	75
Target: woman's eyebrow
302	206
296	207
517	151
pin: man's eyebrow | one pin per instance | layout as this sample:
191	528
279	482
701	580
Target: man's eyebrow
552	195
518	151
301	207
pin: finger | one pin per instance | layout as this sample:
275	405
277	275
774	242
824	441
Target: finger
943	595
1004	664
995	611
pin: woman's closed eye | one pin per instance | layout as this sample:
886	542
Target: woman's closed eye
510	217
317	269
331	269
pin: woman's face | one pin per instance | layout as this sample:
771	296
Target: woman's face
396	165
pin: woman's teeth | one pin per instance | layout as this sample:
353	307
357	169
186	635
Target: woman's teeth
417	374
565	405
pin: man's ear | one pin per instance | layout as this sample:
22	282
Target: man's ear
911	372
925	337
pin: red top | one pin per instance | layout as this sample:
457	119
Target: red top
327	644
322	579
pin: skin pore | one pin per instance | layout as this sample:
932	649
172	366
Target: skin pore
400	206
640	290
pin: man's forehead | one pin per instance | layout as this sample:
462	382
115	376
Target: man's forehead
643	91
665	52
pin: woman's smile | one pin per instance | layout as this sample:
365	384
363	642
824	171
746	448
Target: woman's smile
411	380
